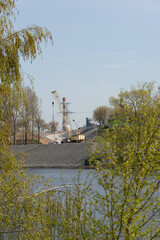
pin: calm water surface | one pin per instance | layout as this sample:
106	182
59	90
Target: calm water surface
63	176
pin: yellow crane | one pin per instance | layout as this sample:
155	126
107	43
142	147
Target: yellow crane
77	137
58	100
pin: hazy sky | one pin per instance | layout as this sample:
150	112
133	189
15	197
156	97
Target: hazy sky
100	46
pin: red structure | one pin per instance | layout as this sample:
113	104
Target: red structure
63	107
64	119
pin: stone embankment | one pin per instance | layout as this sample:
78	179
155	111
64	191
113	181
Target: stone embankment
67	155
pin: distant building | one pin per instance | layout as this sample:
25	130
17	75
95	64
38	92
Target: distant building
89	122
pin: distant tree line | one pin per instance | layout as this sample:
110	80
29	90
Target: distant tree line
26	117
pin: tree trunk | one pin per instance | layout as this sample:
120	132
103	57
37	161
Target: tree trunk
32	131
14	133
38	133
26	135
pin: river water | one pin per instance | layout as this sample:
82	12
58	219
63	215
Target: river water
64	176
60	177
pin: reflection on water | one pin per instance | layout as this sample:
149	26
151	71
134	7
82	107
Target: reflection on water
63	176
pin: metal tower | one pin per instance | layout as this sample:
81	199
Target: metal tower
64	118
63	107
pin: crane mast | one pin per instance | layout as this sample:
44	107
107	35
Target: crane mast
77	137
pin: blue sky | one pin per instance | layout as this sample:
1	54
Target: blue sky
100	47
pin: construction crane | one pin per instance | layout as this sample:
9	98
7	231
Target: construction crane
63	111
78	128
77	137
58	100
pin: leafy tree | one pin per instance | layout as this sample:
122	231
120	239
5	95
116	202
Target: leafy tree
43	125
127	167
14	107
138	113
14	184
26	112
37	116
35	104
101	114
53	126
13	44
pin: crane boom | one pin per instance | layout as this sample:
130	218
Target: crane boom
78	128
58	100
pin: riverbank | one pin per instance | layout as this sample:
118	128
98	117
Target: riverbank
71	155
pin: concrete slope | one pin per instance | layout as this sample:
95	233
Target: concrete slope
67	155
71	155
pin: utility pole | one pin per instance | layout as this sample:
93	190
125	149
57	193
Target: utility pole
53	111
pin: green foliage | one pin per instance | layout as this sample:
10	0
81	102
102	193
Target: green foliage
13	45
139	133
126	160
101	114
126	202
14	184
127	167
